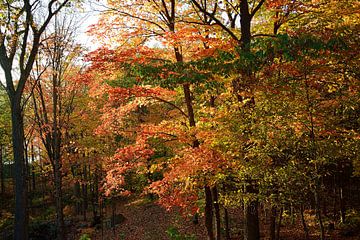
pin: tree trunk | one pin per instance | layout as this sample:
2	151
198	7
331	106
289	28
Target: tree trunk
251	228
196	143
209	213
251	221
59	202
95	194
279	224
318	210
102	218
292	216
335	194
342	204
27	168
113	213
305	227
21	209
245	22
273	223
77	197
33	168
85	192
227	226
217	212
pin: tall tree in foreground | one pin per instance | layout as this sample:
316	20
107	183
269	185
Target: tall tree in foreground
20	36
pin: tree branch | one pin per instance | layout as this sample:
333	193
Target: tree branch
253	12
171	104
217	21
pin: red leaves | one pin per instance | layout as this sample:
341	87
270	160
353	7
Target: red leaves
131	157
105	59
186	175
121	102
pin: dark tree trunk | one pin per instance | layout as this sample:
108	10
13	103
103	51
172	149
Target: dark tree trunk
21	209
102	218
85	191
59	202
27	175
209	213
305	227
227	225
279	224
33	168
273	223
335	194
251	221
318	210
77	197
113	213
217	212
245	22
95	194
342	204
292	215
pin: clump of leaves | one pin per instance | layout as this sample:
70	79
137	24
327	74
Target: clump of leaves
84	237
6	219
174	234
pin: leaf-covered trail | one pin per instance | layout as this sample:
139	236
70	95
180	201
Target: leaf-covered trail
145	220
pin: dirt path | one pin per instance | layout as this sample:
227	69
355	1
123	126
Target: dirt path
145	221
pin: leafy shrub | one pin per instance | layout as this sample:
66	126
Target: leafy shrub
174	234
84	237
6	219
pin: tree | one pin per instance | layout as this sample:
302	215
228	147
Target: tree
53	97
19	44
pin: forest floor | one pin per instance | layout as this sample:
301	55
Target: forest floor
145	220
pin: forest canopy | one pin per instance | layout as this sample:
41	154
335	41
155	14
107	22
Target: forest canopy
239	117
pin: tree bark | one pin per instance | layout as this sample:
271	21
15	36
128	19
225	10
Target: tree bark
251	223
318	210
27	167
59	202
305	227
84	191
252	228
245	22
33	168
227	225
21	204
342	204
209	213
217	212
273	223
279	224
